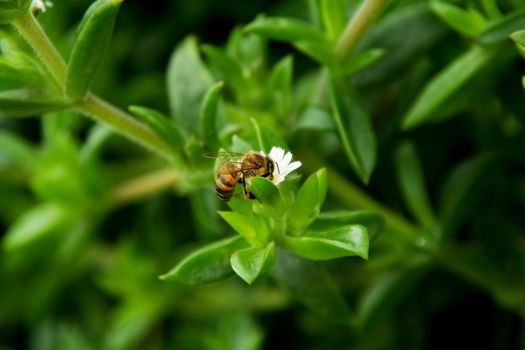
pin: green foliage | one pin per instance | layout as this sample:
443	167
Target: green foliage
10	10
93	38
207	264
408	122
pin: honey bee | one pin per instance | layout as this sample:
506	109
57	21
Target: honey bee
239	168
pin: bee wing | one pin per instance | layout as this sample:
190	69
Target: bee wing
224	155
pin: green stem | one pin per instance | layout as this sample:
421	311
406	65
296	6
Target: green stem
34	35
123	123
358	26
144	186
91	105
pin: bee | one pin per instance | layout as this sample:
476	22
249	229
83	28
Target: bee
238	168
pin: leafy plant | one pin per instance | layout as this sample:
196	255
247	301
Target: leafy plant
406	117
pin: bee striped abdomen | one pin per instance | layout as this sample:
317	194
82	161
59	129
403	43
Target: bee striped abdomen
225	182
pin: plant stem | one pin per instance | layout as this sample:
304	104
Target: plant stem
123	123
34	35
358	26
144	186
91	105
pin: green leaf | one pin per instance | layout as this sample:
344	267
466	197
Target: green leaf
309	284
388	291
355	130
519	39
226	67
209	115
240	145
412	184
208	264
320	51
248	49
94	36
267	137
468	22
188	82
285	29
315	118
168	131
279	86
15	150
308	202
269	201
18	70
361	61
10	10
243	225
501	29
28	102
333	15
447	83
463	189
39	222
327	221
251	263
403	45
325	245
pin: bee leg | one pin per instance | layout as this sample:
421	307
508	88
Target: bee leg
244	189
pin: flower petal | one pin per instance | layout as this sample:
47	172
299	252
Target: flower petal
286	160
290	168
277	154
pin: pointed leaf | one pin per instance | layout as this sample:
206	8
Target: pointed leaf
501	29
468	22
331	220
361	61
315	118
267	137
16	150
208	264
38	222
280	86
209	115
402	44
447	83
388	291
226	67
412	184
28	102
355	130
243	225
325	245
320	51
333	15
188	80
519	39
10	10
308	202
464	188
269	201
309	284
94	36
165	128
285	29
250	263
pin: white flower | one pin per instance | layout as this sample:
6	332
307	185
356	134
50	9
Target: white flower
40	5
283	166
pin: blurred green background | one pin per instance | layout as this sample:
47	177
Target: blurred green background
93	283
